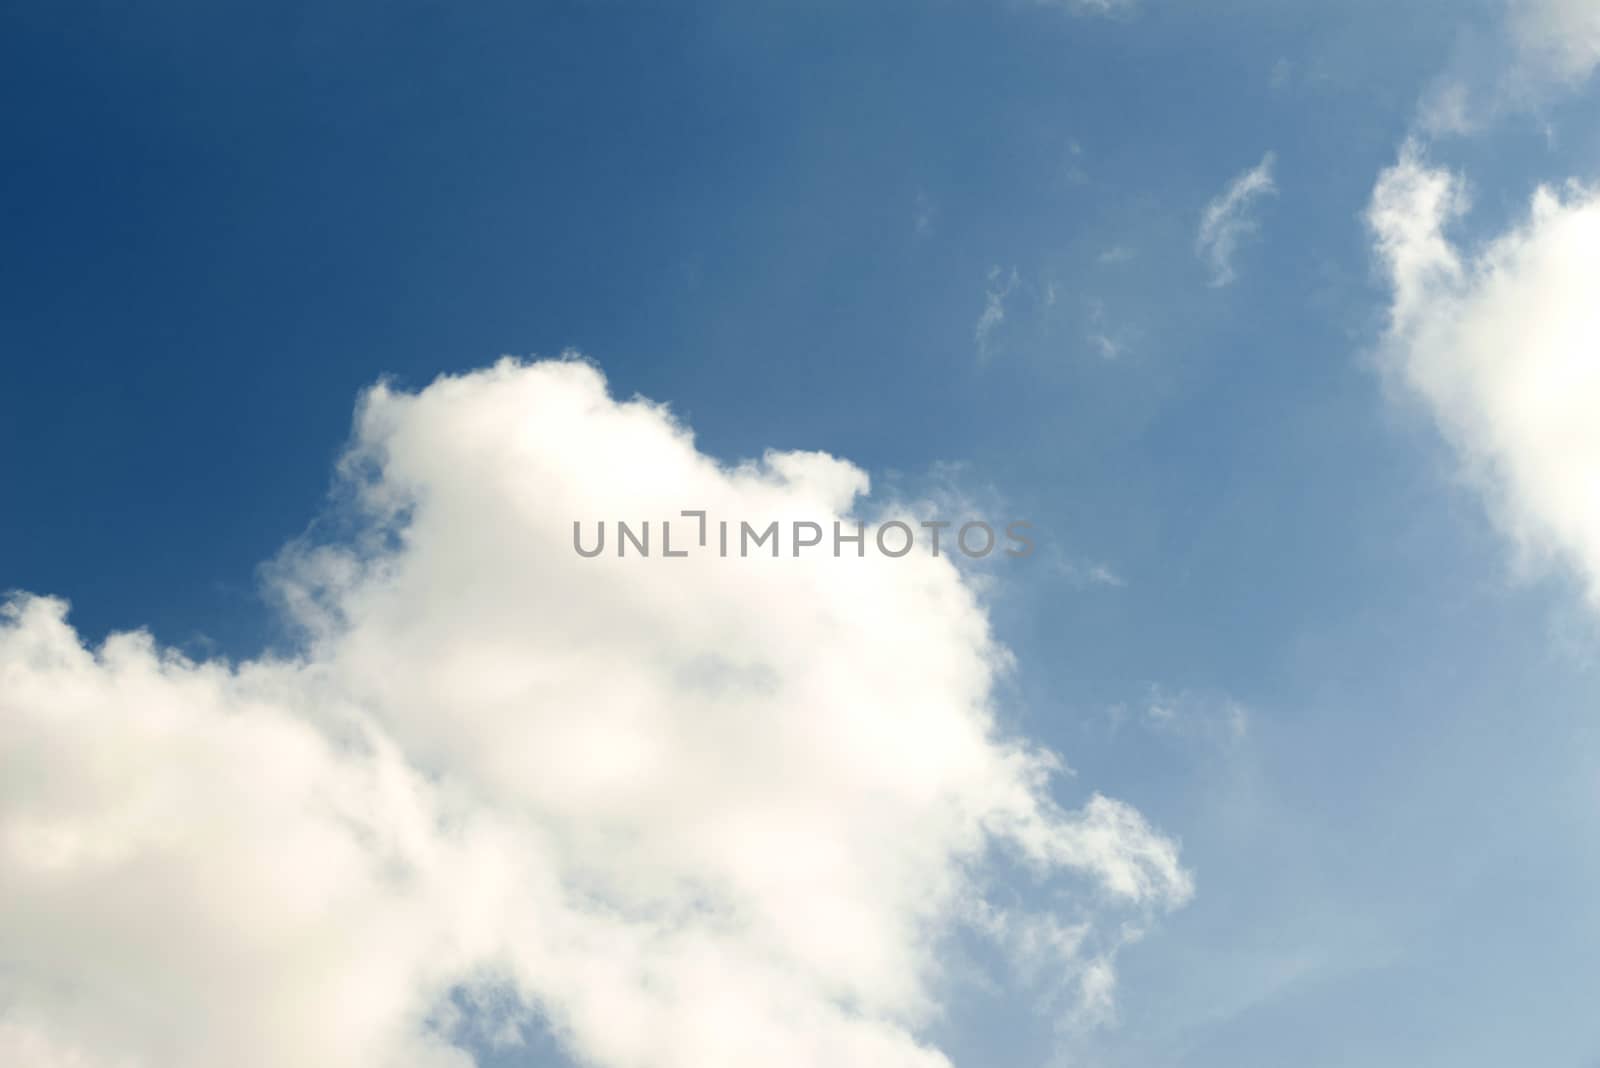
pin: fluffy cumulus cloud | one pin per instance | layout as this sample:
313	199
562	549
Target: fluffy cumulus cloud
690	812
1499	341
1231	217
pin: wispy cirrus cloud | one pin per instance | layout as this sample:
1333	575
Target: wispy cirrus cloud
1090	7
1000	286
1230	218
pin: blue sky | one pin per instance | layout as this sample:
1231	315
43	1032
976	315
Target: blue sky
1275	608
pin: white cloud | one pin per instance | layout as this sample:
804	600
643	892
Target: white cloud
697	812
1109	343
1108	348
1080	572
1499	341
1213	718
1185	713
1538	51
1000	287
196	872
1094	575
1448	107
1230	218
1090	7
1556	39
